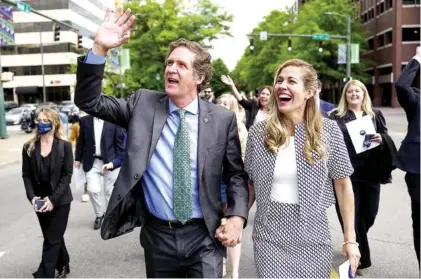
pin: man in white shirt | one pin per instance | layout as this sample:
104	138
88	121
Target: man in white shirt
100	148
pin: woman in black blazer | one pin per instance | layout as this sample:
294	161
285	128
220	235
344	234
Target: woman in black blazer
47	168
355	103
257	108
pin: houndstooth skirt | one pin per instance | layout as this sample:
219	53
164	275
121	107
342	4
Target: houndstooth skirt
286	247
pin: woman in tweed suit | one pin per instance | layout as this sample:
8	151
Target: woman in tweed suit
291	159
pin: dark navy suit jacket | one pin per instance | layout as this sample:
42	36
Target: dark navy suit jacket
326	107
408	158
112	143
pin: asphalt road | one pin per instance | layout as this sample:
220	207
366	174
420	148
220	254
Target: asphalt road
393	255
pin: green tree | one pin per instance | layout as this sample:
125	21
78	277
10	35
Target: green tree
157	25
219	69
258	68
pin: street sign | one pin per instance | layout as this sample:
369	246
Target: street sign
7	30
263	36
23	7
324	37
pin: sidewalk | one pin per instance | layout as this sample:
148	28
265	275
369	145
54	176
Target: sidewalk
11	148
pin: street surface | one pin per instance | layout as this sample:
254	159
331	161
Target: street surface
392	250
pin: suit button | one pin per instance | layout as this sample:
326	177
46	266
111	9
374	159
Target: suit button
136	176
119	197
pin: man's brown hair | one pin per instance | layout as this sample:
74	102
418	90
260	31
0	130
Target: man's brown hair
202	64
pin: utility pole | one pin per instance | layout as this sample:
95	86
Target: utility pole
348	47
44	94
3	130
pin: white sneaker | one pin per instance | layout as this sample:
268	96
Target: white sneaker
85	198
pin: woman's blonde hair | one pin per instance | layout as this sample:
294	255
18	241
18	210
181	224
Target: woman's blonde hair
234	103
277	126
366	105
54	118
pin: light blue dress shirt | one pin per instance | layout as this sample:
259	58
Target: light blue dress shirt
158	177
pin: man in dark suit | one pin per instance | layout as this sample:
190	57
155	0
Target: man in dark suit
99	148
408	158
179	148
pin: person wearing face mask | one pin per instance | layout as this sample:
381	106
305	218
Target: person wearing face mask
292	159
354	104
47	168
257	108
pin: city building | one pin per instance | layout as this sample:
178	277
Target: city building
394	33
24	58
394	28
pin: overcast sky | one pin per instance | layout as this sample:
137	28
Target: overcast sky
247	13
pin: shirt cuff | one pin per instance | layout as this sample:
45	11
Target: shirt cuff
91	58
418	58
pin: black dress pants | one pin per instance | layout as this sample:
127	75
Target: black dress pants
367	198
179	252
413	184
54	252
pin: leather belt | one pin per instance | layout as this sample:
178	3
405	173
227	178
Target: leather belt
177	224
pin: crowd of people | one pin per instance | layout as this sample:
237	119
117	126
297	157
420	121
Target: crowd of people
188	168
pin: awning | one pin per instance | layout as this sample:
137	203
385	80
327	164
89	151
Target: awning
27	90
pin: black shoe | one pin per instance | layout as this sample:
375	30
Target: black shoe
63	272
98	222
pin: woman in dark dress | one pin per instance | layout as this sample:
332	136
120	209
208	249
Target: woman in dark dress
47	167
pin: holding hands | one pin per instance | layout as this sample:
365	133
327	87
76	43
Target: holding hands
230	231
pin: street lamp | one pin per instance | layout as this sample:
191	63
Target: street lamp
348	43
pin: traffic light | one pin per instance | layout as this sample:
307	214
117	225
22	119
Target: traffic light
56	32
78	41
251	45
289	45
320	46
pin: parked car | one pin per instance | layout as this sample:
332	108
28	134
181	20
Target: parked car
15	115
8	105
69	109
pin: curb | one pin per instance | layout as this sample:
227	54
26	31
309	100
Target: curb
8	164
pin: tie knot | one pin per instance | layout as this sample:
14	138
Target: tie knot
181	112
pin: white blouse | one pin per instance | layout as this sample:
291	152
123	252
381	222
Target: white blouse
285	180
260	116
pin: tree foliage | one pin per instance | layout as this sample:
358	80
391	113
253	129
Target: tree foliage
257	69
219	69
157	24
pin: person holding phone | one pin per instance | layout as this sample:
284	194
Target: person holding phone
354	104
47	168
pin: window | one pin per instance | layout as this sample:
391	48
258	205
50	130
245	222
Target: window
410	2
372	12
365	17
388	37
371	44
389	4
382	7
380	40
385	70
410	34
370	72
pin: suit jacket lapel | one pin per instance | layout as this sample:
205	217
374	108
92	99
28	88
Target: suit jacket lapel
205	131
160	117
91	122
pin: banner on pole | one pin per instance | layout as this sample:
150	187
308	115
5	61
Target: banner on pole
342	54
355	53
7	30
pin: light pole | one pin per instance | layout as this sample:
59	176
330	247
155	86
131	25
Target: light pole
348	42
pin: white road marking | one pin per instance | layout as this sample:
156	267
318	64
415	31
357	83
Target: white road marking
2	253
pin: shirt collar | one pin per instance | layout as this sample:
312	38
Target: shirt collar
192	108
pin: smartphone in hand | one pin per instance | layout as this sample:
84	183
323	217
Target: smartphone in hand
39	204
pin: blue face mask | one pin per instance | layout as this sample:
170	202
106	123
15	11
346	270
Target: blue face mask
44	128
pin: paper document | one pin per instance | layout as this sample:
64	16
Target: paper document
345	271
358	129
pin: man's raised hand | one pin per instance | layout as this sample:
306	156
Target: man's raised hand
113	31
